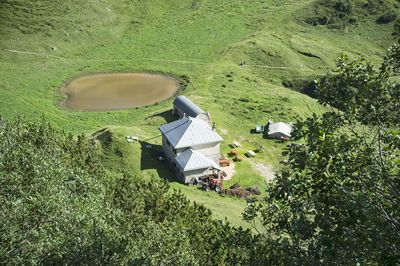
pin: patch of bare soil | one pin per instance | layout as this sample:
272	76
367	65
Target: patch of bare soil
223	131
265	171
24	52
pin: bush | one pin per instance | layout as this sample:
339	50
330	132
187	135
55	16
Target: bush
341	13
335	14
306	86
386	18
345	6
59	207
396	28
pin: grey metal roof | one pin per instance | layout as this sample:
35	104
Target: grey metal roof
189	132
193	160
187	106
280	127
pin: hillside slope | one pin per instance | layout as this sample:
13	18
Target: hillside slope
233	55
58	206
48	44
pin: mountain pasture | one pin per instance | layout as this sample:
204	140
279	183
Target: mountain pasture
231	57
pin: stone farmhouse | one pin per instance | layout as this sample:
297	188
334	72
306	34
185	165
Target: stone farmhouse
191	147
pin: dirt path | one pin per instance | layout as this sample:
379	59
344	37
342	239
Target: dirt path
24	52
33	53
109	60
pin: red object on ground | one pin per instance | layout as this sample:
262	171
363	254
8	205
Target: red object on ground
224	162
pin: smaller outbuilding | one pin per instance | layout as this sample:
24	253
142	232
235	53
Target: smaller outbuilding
182	107
279	130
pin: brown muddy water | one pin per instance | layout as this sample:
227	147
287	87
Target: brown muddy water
116	91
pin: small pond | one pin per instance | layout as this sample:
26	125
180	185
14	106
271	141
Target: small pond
116	91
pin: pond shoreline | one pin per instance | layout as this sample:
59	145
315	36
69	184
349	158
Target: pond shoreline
114	91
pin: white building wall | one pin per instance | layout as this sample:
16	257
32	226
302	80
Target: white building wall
278	135
211	151
168	150
194	174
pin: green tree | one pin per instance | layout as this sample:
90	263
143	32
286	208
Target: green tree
337	201
58	206
396	28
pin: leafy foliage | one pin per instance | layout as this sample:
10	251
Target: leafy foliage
396	28
57	206
306	86
50	203
361	91
386	17
337	200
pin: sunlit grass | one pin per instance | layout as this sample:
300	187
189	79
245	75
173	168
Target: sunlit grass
204	41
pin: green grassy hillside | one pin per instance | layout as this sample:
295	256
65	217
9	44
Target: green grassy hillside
45	43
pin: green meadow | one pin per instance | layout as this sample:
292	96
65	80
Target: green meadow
202	43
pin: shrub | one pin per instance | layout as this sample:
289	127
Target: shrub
341	13
306	86
345	6
396	28
58	206
387	17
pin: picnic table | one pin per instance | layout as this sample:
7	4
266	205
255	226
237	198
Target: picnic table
236	144
251	153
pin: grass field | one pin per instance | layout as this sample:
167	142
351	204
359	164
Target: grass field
44	44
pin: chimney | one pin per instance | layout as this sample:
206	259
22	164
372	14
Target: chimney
213	127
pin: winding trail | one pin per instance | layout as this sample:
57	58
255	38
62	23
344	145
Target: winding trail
146	59
24	52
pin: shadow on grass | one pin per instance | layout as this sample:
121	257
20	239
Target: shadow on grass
149	160
167	115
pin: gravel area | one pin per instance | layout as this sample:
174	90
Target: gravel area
266	171
229	170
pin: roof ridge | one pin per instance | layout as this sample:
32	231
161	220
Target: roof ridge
189	131
185	132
